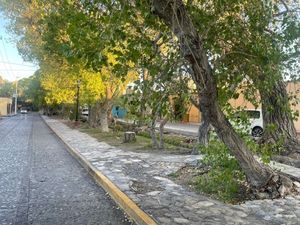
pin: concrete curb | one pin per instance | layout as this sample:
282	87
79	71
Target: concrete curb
8	116
129	206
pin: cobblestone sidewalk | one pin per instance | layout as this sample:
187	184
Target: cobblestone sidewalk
143	177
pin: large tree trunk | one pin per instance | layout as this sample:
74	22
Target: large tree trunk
89	115
174	14
153	134
203	133
161	133
93	115
277	114
203	136
103	118
203	130
143	99
98	115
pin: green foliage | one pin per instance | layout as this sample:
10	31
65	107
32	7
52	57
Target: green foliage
225	176
71	30
265	150
6	88
181	102
31	91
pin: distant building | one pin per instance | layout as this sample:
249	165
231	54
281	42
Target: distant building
5	106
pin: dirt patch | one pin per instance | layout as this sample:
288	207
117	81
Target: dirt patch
188	175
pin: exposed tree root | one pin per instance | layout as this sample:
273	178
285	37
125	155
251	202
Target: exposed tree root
278	186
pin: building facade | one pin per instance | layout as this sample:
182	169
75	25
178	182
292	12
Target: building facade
5	106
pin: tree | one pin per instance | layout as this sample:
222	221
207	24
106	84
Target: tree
156	93
269	50
34	92
161	91
114	88
175	16
277	113
6	88
59	41
60	79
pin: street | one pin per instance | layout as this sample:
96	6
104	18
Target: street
40	183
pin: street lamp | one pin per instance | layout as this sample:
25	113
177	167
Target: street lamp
77	100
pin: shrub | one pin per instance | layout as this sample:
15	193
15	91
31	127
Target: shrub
225	176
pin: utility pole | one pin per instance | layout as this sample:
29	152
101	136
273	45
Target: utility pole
16	97
77	100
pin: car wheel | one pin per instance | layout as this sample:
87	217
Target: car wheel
257	132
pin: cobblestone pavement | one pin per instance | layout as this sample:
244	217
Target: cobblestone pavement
143	177
41	184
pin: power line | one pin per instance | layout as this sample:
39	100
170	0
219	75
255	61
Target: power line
18	64
18	70
5	54
5	65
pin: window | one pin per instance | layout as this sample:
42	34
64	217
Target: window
253	114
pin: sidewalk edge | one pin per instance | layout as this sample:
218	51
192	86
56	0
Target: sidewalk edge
129	206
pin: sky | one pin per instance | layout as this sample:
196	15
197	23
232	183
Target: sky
12	66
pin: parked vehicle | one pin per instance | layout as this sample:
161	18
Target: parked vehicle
24	111
255	122
84	114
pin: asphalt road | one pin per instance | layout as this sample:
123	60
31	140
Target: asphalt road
40	183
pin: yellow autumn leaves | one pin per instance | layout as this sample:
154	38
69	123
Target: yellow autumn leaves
60	81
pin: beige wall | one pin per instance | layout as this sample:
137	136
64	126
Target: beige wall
4	102
193	115
242	102
294	90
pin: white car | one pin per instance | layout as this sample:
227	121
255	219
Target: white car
24	111
256	120
255	126
85	114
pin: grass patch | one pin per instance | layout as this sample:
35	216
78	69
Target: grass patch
218	175
224	179
143	143
116	138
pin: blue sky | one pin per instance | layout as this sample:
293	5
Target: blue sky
12	66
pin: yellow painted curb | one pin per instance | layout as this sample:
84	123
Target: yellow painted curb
129	206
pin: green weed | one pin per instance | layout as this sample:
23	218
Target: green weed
225	176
